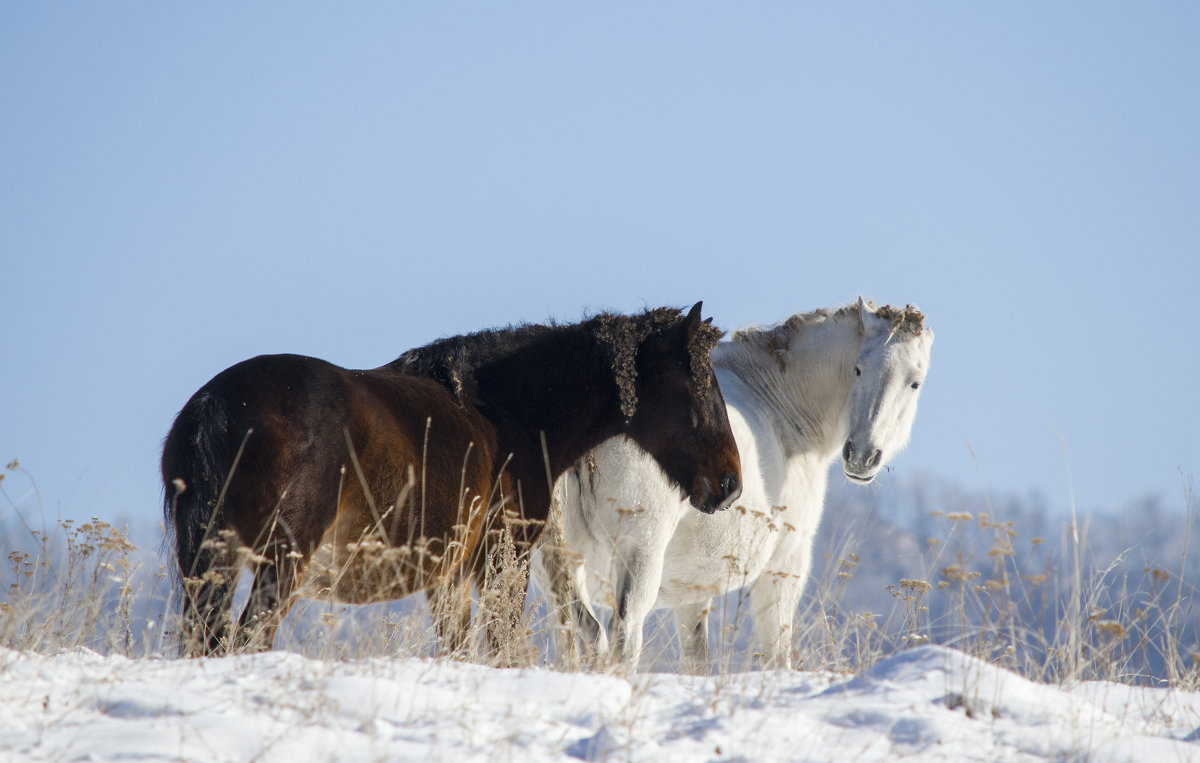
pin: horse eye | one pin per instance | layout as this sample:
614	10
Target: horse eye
857	371
916	385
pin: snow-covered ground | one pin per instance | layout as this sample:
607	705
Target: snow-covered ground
928	703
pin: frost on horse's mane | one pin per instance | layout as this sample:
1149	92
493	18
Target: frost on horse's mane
910	319
775	339
623	334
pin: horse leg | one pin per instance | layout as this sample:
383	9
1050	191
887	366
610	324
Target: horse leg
586	621
561	577
208	598
691	623
636	591
270	599
773	599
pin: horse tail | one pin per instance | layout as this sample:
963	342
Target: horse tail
195	466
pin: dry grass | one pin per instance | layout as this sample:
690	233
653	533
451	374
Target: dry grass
1050	612
978	586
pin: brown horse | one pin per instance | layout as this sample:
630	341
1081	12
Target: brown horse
365	485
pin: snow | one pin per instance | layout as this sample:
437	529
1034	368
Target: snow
926	703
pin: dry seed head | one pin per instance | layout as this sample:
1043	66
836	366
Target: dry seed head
1111	628
919	586
866	620
249	557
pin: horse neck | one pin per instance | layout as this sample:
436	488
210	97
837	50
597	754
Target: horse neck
803	385
559	388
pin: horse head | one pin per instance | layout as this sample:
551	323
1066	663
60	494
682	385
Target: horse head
678	415
888	374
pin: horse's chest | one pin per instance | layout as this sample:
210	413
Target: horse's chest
723	550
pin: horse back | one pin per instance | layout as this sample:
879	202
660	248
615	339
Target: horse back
298	442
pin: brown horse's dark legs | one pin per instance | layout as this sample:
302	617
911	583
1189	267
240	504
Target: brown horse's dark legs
208	598
270	599
206	617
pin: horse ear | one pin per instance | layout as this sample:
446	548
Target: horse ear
692	321
863	308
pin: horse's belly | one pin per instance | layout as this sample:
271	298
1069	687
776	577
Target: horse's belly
372	573
355	564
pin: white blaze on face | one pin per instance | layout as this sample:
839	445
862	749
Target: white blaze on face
888	375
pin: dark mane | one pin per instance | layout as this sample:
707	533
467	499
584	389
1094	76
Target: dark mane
453	361
622	334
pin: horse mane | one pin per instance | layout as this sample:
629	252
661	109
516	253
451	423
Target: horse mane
453	361
775	338
623	334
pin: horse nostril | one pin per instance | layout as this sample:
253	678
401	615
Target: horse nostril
848	451
875	457
729	484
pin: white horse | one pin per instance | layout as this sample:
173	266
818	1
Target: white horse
798	394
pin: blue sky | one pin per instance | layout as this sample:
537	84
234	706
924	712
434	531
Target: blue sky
182	187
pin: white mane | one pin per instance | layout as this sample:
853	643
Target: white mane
796	367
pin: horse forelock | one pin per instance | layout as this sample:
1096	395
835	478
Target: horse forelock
908	320
622	335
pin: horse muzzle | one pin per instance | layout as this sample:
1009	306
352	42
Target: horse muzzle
861	466
710	501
